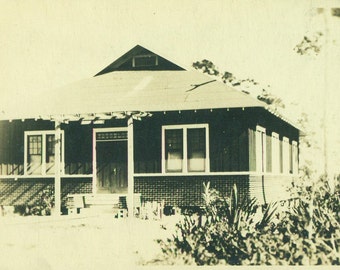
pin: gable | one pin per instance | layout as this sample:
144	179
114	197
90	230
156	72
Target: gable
140	58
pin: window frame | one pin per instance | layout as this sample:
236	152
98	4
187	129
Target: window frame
275	153
295	158
261	149
43	134
285	155
185	128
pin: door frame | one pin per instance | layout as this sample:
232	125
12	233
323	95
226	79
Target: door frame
94	152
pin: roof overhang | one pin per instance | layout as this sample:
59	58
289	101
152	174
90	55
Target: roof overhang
120	94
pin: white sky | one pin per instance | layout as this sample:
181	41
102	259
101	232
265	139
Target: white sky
47	44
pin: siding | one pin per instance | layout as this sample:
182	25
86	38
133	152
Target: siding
12	143
275	187
227	133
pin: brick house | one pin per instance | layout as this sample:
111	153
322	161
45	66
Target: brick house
145	125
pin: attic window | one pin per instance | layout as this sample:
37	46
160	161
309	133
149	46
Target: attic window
148	60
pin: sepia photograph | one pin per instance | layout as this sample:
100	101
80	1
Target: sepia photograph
137	134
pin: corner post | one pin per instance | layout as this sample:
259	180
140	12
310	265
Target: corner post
130	168
57	159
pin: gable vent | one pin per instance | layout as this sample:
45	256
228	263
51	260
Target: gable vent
148	60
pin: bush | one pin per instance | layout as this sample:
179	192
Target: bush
41	207
221	235
240	233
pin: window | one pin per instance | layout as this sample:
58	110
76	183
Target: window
275	153
185	148
148	60
285	155
269	153
39	152
260	149
295	157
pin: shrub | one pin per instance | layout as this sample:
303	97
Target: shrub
238	233
41	207
221	235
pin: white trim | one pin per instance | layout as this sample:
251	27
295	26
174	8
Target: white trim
207	151
185	150
275	135
185	127
191	174
43	133
70	176
76	175
260	128
251	173
44	176
98	130
130	168
94	162
163	149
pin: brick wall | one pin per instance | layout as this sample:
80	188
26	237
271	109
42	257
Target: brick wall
26	191
187	190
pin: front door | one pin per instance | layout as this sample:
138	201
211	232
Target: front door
111	160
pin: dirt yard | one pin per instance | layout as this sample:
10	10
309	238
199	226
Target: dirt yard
79	242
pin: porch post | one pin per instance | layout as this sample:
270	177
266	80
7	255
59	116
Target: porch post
130	168
94	163
57	161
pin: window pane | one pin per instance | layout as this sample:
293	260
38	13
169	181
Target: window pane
34	156
50	154
260	151
295	158
275	154
174	150
196	149
113	135
285	155
268	153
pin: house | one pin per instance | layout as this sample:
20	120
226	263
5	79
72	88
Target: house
148	126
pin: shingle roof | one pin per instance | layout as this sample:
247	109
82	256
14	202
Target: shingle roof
148	91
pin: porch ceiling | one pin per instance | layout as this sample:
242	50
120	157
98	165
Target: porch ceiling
122	91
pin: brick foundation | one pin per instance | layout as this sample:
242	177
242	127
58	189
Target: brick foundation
26	191
187	190
174	190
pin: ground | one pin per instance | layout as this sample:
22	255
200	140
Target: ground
80	242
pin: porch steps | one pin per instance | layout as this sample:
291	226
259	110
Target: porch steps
100	203
103	199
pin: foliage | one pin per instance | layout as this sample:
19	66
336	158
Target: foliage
206	66
270	99
41	207
238	233
309	45
312	228
222	235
